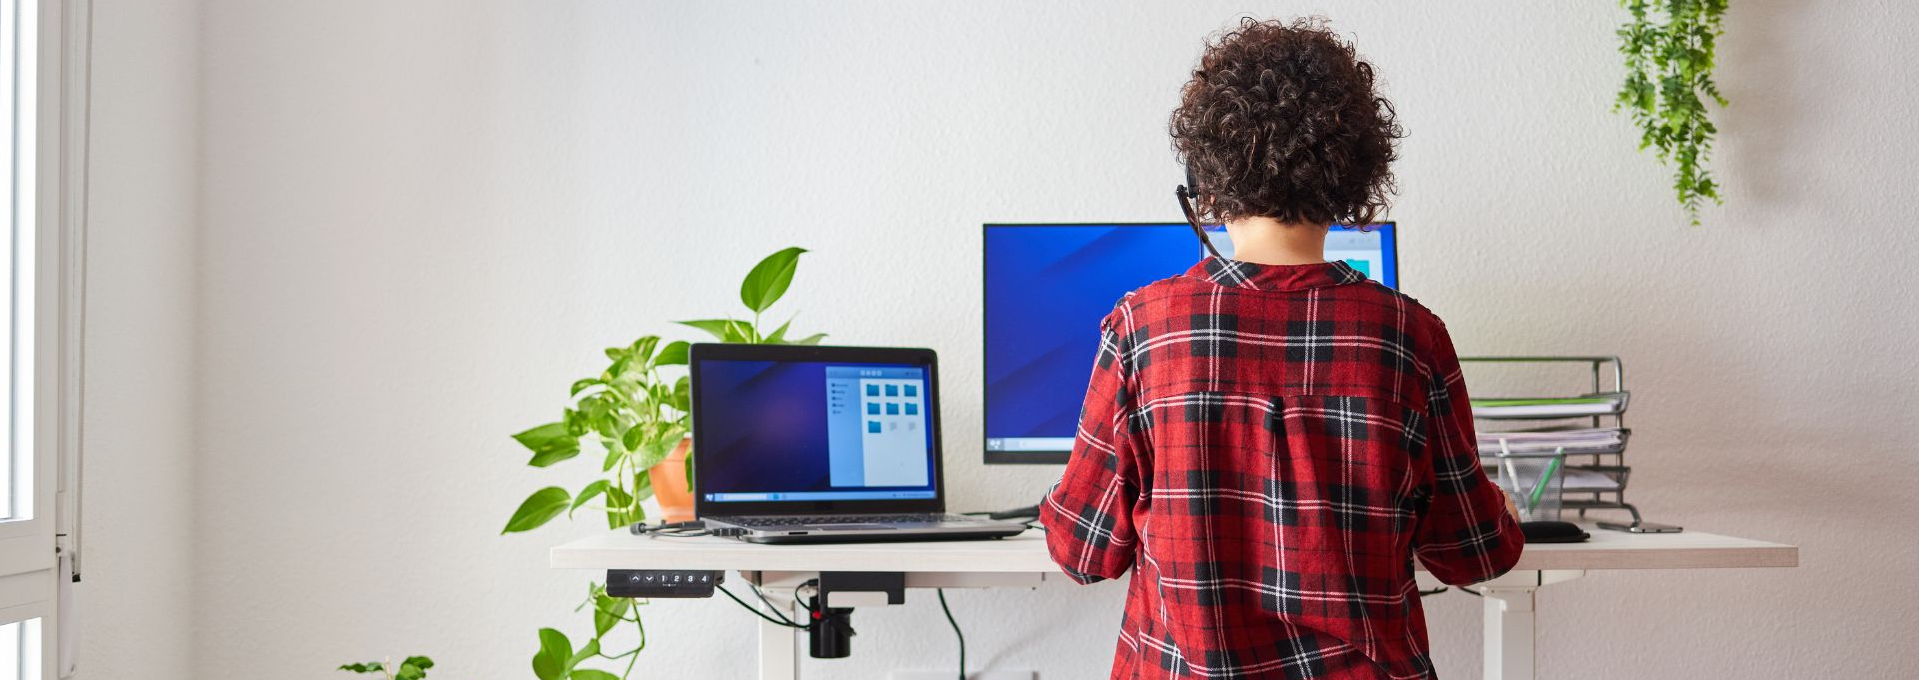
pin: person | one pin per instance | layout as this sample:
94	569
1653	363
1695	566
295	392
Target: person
1268	441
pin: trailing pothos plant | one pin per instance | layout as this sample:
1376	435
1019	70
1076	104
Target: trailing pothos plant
1669	50
635	411
413	668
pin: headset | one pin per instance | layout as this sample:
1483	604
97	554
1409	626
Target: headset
1186	196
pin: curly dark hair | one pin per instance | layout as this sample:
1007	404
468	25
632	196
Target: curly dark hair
1281	120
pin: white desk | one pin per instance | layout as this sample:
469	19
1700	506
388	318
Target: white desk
1021	562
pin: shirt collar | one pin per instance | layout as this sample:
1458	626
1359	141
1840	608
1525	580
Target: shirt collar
1274	277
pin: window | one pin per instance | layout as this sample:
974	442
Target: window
42	151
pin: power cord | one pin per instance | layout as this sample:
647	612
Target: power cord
956	631
693	529
782	620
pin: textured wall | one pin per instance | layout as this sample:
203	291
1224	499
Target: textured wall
136	605
422	219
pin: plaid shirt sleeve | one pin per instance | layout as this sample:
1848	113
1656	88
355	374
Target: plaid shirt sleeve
1466	535
1088	515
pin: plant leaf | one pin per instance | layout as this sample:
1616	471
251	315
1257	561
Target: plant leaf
643	349
595	488
673	354
778	336
621	509
607	612
550	663
538	509
587	651
413	668
768	280
813	339
681	398
551	443
592	674
368	667
650	453
715	327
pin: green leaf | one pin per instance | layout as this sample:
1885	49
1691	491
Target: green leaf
778	336
595	488
673	354
681	398
635	437
715	327
613	455
538	509
582	384
643	349
592	674
368	667
642	486
587	651
551	442
622	510
413	668
550	663
737	332
769	279
650	453
608	612
813	339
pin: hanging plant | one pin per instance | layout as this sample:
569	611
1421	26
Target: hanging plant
1668	46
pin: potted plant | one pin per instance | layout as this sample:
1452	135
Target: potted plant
635	411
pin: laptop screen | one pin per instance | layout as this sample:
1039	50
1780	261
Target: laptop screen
777	431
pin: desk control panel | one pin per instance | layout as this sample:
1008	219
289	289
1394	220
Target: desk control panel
662	582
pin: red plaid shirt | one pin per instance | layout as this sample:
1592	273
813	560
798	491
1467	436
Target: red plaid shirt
1268	447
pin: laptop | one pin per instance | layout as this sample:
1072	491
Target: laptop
807	444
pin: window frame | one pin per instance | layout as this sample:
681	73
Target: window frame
31	572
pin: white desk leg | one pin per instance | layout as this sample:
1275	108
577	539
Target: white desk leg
1508	633
779	645
1508	630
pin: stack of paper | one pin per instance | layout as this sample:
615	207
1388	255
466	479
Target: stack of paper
1602	404
1585	440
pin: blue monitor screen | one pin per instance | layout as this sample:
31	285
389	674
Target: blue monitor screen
814	431
1048	286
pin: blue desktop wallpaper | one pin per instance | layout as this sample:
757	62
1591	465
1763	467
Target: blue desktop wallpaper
1044	300
763	427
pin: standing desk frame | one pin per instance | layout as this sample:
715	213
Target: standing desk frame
1022	562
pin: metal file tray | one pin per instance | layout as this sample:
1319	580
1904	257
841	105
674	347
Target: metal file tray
1608	377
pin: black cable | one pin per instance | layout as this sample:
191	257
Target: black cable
769	606
757	612
956	631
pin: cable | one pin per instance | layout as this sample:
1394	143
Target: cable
769	606
756	612
956	631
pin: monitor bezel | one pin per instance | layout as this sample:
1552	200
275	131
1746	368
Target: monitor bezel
1389	240
919	356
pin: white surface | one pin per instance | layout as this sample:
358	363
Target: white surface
948	675
423	218
1027	553
136	604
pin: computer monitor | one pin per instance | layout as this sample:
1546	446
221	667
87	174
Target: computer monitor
1048	286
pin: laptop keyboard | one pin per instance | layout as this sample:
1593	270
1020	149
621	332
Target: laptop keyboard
787	521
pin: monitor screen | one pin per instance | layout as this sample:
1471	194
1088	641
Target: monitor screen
1048	286
779	431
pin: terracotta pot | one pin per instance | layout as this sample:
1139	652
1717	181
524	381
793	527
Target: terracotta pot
670	485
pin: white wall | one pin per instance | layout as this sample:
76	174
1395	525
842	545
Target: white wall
136	602
423	219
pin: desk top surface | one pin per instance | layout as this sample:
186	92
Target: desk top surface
1026	553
